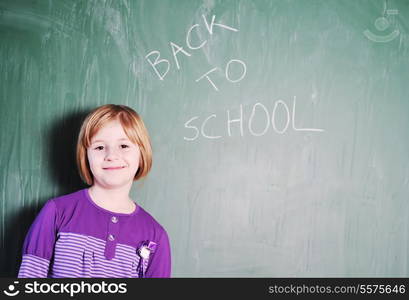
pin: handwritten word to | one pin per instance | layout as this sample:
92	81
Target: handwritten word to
259	110
228	77
161	66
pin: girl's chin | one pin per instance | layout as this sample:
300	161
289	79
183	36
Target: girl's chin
115	184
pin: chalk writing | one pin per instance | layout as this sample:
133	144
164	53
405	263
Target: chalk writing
161	66
259	110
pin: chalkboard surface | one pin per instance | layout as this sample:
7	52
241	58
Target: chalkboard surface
280	129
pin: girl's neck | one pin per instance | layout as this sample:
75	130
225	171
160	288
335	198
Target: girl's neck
116	200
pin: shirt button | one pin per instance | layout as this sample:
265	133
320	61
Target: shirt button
111	237
114	219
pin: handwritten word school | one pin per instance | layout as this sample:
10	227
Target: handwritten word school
258	111
161	66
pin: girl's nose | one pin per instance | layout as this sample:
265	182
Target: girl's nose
111	154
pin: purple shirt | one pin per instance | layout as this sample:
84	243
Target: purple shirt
74	237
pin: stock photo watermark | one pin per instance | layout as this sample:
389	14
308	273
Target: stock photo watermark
70	289
382	24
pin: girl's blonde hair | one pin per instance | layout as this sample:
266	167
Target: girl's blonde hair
133	126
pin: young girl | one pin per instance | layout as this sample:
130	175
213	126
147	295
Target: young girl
100	231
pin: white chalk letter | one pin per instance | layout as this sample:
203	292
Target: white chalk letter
210	27
302	129
208	78
203	125
227	70
179	49
188	39
156	62
240	120
274	113
193	127
252	116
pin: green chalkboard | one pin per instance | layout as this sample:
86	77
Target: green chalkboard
280	128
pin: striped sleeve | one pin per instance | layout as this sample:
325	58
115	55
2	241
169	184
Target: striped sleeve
33	267
39	243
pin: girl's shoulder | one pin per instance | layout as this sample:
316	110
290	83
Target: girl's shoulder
67	204
68	200
142	213
144	217
56	208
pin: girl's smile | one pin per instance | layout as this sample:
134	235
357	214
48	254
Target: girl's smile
114	168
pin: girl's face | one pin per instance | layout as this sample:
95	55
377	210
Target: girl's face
112	157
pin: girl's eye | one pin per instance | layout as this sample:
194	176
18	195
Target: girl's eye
124	146
99	148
